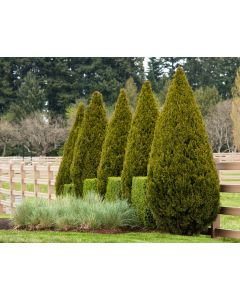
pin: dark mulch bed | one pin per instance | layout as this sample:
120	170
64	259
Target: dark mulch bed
6	224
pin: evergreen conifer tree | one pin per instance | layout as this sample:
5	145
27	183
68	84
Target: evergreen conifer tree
139	139
63	176
183	185
113	151
87	152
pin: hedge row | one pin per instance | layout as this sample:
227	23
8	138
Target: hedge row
181	193
114	193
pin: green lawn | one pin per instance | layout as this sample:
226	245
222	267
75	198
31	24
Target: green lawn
231	200
29	187
4	216
20	236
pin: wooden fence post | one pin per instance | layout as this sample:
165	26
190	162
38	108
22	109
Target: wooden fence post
216	224
23	184
11	186
36	175
50	177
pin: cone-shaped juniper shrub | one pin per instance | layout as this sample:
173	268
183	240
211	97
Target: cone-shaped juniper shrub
182	185
63	176
139	139
87	152
111	163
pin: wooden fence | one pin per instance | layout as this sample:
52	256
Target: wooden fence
43	160
231	156
21	180
230	186
220	157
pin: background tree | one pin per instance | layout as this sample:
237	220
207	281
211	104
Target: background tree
7	93
219	127
207	97
236	111
201	71
87	151
8	135
111	163
182	201
30	97
131	91
154	73
161	96
40	134
65	79
63	176
212	71
139	139
160	70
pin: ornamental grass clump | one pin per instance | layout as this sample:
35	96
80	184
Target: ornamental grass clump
71	213
183	185
139	139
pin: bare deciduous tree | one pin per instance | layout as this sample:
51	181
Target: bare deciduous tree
8	135
236	111
219	127
39	134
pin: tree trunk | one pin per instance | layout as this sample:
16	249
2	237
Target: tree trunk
4	150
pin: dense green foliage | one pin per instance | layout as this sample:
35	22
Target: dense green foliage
114	189
207	97
68	189
65	79
159	70
89	185
63	176
31	97
139	139
183	185
70	213
201	71
88	148
139	201
113	151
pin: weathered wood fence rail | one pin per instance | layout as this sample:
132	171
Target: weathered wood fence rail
21	180
230	187
55	160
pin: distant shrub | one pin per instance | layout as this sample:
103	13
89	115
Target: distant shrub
113	189
139	201
89	185
68	213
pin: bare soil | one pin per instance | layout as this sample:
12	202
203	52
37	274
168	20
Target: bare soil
6	224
